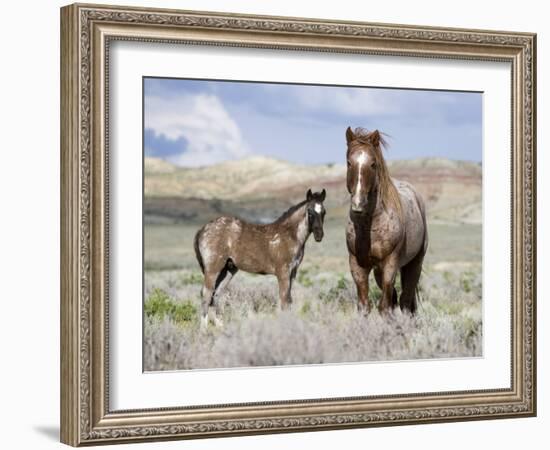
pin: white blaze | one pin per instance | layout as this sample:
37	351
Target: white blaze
318	208
361	160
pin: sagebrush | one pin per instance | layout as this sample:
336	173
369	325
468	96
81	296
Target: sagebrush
323	325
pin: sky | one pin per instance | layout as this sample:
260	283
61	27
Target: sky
195	123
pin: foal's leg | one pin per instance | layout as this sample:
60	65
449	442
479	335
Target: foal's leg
221	283
285	284
361	277
207	293
389	272
211	274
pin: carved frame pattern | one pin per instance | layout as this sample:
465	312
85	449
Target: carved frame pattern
85	416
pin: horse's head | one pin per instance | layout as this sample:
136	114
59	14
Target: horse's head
316	213
364	159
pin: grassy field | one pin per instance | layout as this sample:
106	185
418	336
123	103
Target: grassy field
323	325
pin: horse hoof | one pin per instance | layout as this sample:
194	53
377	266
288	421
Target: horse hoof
204	323
363	310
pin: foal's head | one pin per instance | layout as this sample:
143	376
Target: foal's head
367	174
316	213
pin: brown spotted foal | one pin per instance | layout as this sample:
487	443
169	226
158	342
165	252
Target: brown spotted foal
228	244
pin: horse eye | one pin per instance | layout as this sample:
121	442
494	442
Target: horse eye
373	164
349	164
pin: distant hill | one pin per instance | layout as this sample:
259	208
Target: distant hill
451	189
252	177
155	166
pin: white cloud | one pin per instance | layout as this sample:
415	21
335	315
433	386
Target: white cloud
350	102
212	135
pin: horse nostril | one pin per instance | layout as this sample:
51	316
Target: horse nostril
358	204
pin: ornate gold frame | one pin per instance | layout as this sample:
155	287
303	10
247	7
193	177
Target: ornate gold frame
86	31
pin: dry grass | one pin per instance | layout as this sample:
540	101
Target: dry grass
322	327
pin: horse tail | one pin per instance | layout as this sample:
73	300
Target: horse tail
424	241
197	249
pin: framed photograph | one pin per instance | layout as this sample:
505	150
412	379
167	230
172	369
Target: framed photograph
276	224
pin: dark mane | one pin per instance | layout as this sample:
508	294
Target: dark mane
290	211
364	136
387	190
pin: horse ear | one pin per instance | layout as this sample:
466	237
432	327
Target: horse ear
374	137
309	195
349	135
323	195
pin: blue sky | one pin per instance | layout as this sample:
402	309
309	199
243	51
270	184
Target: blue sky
194	123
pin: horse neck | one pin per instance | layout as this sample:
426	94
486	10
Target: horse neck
297	225
374	202
374	212
378	206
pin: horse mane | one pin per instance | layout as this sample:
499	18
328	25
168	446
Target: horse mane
288	213
386	189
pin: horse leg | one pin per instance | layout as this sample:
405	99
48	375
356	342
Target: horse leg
389	272
285	283
410	275
211	275
222	281
361	277
207	293
378	278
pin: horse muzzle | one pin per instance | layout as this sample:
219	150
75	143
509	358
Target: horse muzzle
358	205
318	236
358	208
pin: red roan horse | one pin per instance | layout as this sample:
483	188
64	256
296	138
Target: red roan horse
386	229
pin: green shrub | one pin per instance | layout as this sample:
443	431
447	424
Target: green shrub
472	330
306	308
159	305
338	294
335	292
191	278
342	283
184	312
466	283
304	279
448	276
